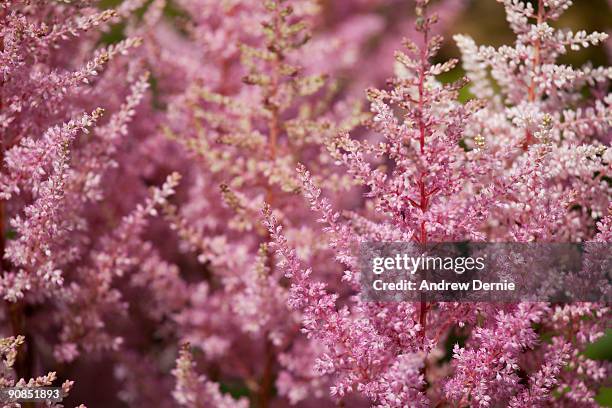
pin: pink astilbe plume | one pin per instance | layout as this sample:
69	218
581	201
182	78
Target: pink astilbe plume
541	103
66	106
244	139
193	390
8	352
492	168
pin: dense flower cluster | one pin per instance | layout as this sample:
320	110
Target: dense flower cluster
182	203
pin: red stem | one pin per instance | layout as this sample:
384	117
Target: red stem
424	196
531	91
